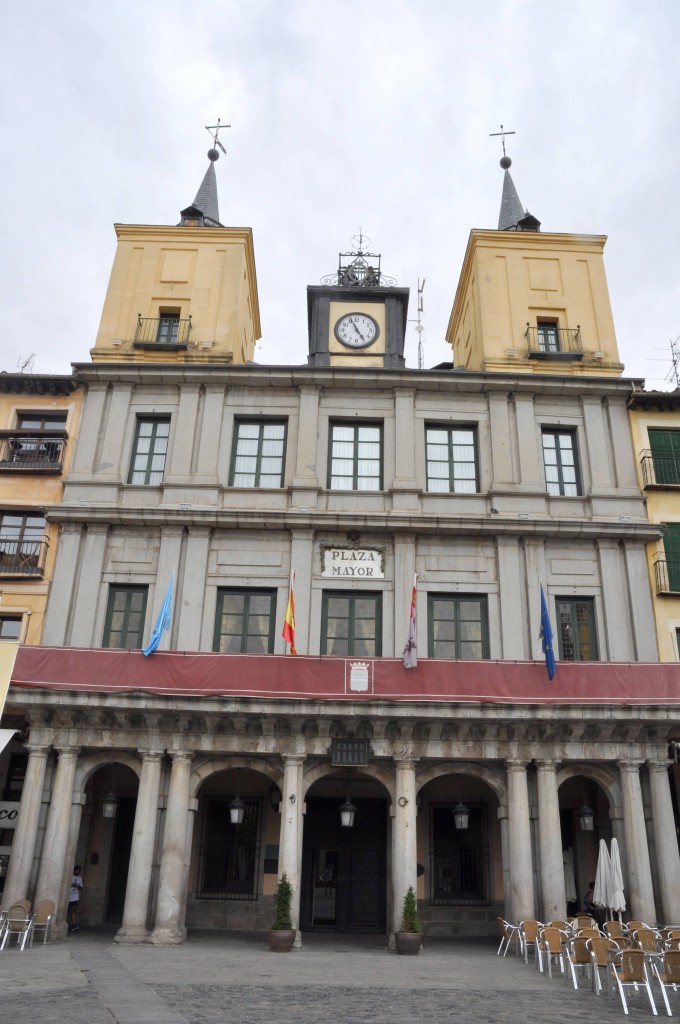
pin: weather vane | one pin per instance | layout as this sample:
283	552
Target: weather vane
502	134
215	128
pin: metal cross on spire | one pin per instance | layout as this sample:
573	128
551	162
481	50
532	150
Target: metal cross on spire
502	134
215	128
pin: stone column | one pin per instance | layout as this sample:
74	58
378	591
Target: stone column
170	928
25	834
290	836
404	846
550	844
640	895
519	842
668	859
133	928
55	842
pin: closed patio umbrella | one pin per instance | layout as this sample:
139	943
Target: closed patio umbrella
618	900
569	877
602	892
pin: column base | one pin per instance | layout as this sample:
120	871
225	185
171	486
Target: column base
168	935
132	934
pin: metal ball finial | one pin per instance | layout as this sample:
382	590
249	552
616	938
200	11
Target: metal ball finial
213	155
506	162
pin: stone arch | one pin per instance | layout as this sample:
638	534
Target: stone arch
493	777
222	764
372	771
89	764
605	777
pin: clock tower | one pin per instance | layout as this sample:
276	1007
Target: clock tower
357	317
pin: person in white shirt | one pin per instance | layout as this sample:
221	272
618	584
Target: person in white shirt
74	899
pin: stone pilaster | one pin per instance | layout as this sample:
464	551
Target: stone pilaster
404	845
668	859
290	838
25	834
170	929
519	842
640	894
55	843
133	928
550	844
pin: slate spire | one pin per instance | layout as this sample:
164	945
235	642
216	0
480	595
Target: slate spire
205	210
512	216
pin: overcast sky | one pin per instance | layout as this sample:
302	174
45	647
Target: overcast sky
344	114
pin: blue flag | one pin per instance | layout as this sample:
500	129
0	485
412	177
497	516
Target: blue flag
546	637
162	622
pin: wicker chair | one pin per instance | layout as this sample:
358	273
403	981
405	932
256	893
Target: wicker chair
509	933
19	924
528	931
666	970
597	948
628	970
549	948
44	915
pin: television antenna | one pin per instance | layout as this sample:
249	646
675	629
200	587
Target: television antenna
420	327
25	365
673	375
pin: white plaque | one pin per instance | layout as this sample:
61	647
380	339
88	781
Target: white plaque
352	563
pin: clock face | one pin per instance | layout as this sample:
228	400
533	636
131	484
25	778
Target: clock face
356	330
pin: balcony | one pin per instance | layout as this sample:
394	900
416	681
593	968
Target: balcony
32	451
666	575
659	470
22	557
548	341
162	332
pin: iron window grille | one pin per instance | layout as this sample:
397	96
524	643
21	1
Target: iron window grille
125	614
244	621
258	453
355	457
459	858
576	628
457	626
351	624
560	463
167	330
452	461
149	450
350	750
23	547
228	855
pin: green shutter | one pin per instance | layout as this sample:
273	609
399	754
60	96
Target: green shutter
665	446
671	543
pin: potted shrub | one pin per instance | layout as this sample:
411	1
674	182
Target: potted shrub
282	934
409	938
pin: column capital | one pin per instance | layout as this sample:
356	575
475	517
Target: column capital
658	765
404	763
630	766
38	749
514	764
293	760
67	752
151	755
181	756
546	764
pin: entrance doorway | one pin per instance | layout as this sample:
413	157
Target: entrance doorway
344	869
120	859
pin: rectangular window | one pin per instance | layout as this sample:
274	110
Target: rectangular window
560	463
548	336
16	774
168	328
665	446
10	627
451	459
460	857
355	457
124	626
244	621
228	854
576	628
258	453
22	536
457	626
41	421
149	450
671	546
351	624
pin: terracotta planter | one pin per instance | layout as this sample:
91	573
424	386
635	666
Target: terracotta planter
408	943
282	941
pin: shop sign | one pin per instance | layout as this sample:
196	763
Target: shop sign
353	563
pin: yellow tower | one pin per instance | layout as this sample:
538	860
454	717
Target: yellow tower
532	302
182	294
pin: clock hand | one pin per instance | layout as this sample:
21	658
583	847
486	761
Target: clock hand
358	331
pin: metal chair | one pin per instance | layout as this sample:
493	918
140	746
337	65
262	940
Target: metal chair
628	970
550	945
528	931
19	924
598	947
666	970
614	929
509	933
647	939
43	917
577	958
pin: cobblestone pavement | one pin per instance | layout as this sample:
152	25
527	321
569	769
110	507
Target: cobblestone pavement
213	979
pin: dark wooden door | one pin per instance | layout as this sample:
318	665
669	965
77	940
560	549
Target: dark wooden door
120	858
344	869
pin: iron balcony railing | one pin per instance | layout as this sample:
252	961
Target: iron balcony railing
22	557
31	451
660	470
666	575
162	330
549	340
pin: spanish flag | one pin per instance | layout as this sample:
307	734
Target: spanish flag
289	621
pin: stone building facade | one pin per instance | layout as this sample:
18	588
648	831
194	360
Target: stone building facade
351	476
